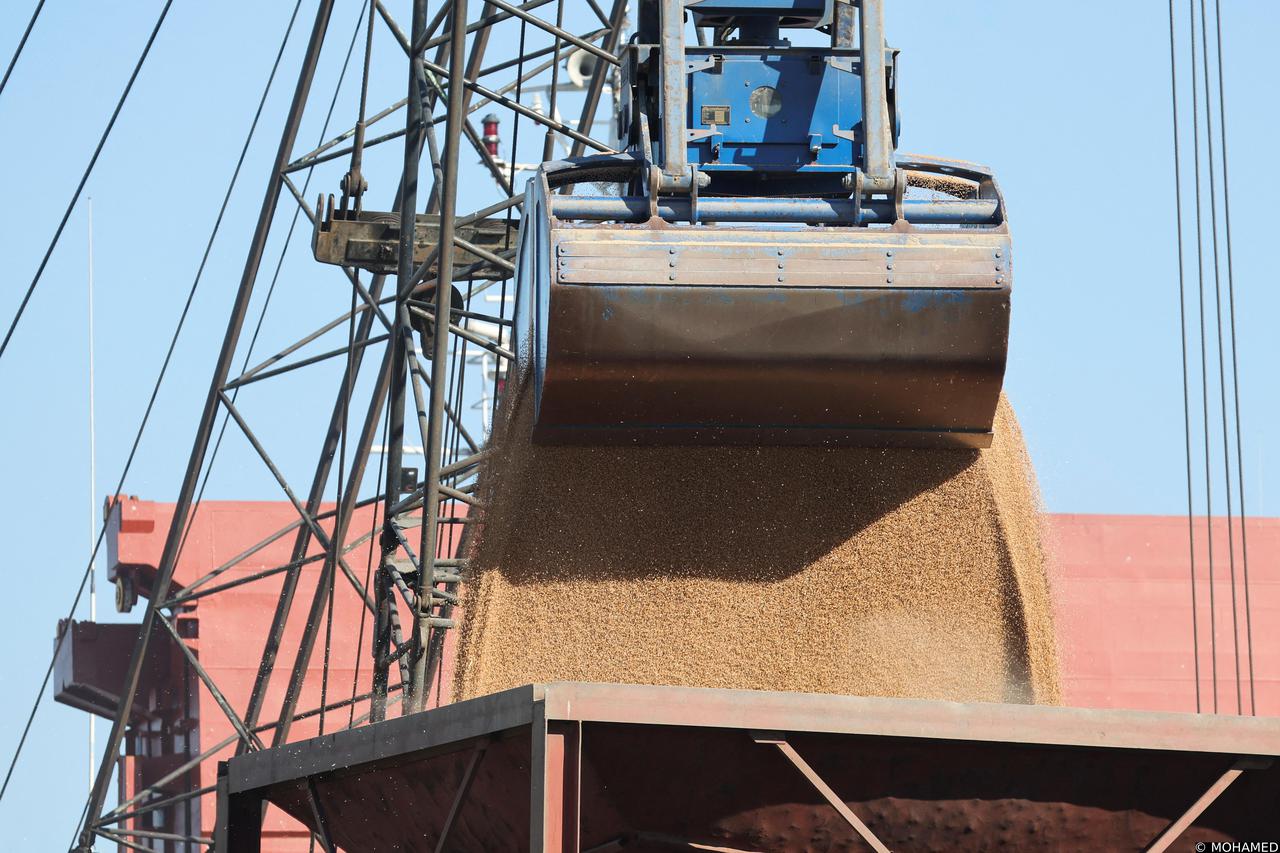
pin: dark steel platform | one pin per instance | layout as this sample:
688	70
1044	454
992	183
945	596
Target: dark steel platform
596	767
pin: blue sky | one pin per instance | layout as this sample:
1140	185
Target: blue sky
1069	103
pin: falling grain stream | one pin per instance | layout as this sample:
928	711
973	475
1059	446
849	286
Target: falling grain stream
865	572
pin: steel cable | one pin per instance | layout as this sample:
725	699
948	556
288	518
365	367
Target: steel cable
1222	379
84	179
22	42
1182	338
357	155
1235	367
146	416
368	575
338	518
1204	361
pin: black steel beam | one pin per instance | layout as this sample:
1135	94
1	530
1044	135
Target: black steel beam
596	87
342	520
401	346
415	696
195	463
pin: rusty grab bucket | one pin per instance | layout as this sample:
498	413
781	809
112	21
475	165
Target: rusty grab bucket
659	333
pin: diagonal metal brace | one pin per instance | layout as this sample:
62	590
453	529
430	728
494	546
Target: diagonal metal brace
1183	823
464	787
823	788
322	822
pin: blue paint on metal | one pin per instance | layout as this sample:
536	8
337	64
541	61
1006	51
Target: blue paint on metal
809	97
765	210
931	299
773	129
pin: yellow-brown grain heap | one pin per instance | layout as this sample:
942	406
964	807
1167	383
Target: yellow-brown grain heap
863	572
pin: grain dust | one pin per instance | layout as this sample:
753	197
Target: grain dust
902	573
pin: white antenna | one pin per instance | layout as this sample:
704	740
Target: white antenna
93	523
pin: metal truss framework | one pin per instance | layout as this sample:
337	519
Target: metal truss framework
416	583
562	743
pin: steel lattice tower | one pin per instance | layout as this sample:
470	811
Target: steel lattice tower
388	313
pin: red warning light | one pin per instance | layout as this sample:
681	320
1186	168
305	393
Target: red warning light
490	137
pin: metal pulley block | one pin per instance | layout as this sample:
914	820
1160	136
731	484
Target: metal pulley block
424	325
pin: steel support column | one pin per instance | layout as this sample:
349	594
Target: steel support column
843	24
401	347
341	521
877	140
556	792
239	819
675	154
590	105
208	417
303	540
415	695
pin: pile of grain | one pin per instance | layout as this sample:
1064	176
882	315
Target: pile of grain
852	571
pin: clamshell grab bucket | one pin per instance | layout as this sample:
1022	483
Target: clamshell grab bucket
693	334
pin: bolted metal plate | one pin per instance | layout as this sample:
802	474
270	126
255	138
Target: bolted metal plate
697	335
832	257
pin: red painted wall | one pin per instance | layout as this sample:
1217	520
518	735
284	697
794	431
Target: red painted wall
1121	586
232	625
1123	609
